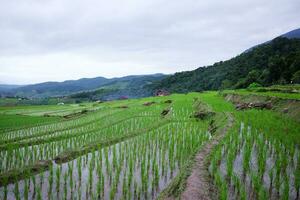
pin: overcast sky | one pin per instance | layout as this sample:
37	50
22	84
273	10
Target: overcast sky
43	40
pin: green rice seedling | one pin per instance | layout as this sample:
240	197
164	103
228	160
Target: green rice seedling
16	191
113	191
5	192
277	181
34	185
286	187
229	166
292	152
135	189
284	161
262	194
65	185
102	183
106	159
236	183
271	176
79	163
70	174
99	168
118	173
218	179
246	159
41	179
297	177
256	184
90	177
243	195
156	175
262	163
79	193
26	190
57	173
224	191
99	188
39	193
50	180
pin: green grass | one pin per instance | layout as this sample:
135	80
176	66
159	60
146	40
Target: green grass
10	122
216	101
282	95
8	101
52	110
37	101
275	125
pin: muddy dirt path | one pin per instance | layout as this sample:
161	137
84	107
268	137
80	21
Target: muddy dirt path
198	185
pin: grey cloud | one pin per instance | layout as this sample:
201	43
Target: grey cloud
162	34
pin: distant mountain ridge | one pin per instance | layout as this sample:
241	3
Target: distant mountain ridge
294	34
8	87
274	62
65	88
126	87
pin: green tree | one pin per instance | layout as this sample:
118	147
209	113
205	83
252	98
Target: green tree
226	84
296	77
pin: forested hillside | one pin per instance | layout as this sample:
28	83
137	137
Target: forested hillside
133	87
130	86
277	62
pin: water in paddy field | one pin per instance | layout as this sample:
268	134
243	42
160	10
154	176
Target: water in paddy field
28	155
138	168
270	164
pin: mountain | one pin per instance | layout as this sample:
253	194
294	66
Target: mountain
125	87
5	87
58	88
65	88
294	34
275	62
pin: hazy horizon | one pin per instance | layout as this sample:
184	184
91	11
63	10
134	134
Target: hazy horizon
68	40
83	78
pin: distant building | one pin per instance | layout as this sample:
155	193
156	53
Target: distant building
162	93
123	97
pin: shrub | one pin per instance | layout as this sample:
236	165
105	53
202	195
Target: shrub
254	85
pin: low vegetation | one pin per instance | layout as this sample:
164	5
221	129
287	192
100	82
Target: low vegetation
146	148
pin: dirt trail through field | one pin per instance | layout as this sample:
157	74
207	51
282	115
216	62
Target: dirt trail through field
198	185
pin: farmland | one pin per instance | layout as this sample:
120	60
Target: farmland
146	149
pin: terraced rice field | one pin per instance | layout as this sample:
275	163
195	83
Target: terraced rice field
258	159
122	150
145	149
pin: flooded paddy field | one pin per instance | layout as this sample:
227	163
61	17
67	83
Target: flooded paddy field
148	148
112	153
138	168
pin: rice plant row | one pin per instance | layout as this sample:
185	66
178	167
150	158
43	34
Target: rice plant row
29	154
138	168
251	163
